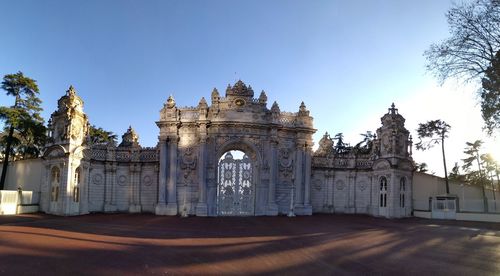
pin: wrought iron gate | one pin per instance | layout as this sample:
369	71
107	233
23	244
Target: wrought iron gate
235	195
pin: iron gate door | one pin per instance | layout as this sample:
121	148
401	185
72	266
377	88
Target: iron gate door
235	195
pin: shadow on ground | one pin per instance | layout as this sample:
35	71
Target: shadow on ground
321	245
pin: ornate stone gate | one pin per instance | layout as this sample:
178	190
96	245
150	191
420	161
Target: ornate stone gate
235	122
235	189
182	174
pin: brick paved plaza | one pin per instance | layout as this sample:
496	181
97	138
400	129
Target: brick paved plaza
124	244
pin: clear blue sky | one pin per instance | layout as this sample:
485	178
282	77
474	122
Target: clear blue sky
347	60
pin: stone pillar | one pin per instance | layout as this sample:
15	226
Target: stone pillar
201	207
84	188
172	207
298	178
161	206
307	182
272	208
134	206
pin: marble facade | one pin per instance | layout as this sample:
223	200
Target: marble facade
190	171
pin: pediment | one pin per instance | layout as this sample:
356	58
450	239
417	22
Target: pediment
381	165
54	152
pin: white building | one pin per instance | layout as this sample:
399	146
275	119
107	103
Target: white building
193	171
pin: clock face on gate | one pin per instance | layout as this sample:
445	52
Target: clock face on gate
239	102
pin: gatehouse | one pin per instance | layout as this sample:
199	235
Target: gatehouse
232	157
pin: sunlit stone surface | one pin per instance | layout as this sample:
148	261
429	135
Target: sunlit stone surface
190	171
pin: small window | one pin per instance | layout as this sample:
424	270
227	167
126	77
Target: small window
402	189
76	194
55	178
383	192
76	180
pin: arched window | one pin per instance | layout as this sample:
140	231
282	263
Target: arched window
76	188
383	191
402	189
55	178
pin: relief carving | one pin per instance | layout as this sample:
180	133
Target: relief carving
286	162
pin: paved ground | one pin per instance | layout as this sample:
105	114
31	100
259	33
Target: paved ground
124	244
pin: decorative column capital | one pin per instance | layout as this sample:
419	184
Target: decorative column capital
173	139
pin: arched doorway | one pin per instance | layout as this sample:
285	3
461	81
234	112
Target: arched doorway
235	188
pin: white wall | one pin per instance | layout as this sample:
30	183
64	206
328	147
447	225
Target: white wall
470	197
26	174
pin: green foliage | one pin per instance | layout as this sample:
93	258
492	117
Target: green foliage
455	174
475	177
29	133
24	134
490	96
99	136
421	167
365	146
432	133
341	146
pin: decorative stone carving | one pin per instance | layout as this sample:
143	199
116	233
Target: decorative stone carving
147	180
188	163
97	179
318	184
170	102
362	185
340	184
130	138
122	180
325	146
286	162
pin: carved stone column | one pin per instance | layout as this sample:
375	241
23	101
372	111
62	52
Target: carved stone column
109	203
134	206
272	208
201	207
307	182
172	207
161	206
298	178
84	188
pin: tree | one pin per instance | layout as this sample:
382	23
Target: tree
490	167
475	177
421	167
365	146
23	117
99	136
471	49
490	96
341	147
455	174
434	132
28	139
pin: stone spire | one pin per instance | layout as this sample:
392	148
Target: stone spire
325	146
239	89
130	138
203	103
393	137
68	122
215	96
263	97
170	102
275	108
303	110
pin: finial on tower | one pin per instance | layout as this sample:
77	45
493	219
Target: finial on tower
263	97
71	91
393	109
170	102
